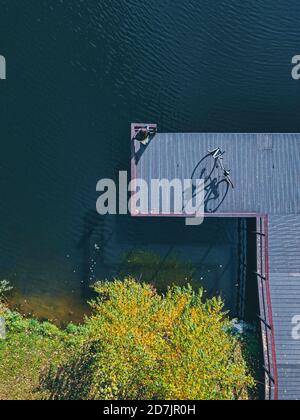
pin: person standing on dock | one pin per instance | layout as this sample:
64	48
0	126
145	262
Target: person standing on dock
143	135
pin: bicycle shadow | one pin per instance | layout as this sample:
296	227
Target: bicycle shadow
214	188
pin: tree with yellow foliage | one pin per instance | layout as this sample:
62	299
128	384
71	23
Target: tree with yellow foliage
141	345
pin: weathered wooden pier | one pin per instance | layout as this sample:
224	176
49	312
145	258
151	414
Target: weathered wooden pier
265	169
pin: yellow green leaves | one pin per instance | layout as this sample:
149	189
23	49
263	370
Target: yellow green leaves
141	345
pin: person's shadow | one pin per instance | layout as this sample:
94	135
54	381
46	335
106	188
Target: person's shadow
139	148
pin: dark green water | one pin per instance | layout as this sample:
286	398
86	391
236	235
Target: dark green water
78	72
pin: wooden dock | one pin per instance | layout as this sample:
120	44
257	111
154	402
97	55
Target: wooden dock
265	169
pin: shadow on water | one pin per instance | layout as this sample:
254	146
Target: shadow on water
210	248
252	309
88	246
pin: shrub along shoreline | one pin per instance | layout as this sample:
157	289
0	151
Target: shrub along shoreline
137	344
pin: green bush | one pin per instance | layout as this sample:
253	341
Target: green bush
141	345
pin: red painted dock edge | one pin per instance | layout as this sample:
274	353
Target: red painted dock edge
257	216
269	304
134	128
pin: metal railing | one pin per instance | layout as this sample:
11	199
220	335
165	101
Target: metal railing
266	318
242	268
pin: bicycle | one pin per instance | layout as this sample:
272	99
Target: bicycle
217	154
216	186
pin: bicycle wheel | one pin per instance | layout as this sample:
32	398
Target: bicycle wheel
204	169
216	196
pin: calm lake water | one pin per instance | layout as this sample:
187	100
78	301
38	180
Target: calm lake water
78	73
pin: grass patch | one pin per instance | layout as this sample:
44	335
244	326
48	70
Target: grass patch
29	349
